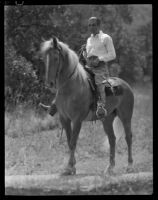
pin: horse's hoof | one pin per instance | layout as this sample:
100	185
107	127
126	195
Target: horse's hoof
109	171
69	171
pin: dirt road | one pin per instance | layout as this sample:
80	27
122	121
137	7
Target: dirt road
138	183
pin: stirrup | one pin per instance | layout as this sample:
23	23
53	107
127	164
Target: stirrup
101	108
53	110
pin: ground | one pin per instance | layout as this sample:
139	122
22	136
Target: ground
30	152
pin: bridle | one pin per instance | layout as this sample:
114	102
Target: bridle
58	72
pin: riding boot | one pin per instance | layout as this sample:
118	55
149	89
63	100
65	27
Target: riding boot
101	110
53	109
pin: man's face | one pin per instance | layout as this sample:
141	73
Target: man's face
93	26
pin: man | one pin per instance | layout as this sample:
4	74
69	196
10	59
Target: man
99	50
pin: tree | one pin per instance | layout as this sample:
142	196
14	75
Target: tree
26	26
145	47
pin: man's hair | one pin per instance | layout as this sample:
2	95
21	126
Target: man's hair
97	20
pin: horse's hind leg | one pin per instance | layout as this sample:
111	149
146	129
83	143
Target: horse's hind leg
108	127
128	136
129	141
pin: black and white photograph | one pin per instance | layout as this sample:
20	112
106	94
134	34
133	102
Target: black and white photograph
78	99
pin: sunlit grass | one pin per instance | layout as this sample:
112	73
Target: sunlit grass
28	131
23	122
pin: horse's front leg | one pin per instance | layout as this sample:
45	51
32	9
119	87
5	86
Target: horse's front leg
70	169
66	124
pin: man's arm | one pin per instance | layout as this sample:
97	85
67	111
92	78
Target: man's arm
111	55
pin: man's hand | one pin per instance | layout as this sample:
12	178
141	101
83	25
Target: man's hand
93	61
96	61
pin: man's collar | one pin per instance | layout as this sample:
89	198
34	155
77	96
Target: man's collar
97	35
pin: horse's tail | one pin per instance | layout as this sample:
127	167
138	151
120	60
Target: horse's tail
118	130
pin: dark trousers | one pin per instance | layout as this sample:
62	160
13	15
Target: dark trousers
101	73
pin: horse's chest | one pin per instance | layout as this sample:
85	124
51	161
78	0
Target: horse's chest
72	105
61	104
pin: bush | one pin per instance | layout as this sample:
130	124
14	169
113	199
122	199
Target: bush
21	82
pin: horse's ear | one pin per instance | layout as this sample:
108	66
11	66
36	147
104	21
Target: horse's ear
55	43
43	40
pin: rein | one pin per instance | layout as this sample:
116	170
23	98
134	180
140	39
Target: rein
69	77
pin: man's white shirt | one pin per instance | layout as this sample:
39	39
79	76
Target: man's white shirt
101	45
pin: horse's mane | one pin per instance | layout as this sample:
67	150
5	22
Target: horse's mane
73	60
45	46
69	55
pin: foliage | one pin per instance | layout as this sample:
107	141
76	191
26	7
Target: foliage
22	85
26	26
20	79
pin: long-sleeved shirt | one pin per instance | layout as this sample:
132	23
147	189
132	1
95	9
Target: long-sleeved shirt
101	45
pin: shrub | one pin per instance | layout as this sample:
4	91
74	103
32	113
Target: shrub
21	82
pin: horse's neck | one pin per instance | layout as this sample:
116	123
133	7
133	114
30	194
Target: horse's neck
72	71
66	73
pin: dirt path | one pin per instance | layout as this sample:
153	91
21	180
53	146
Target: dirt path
138	183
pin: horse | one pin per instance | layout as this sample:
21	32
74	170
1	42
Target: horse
74	100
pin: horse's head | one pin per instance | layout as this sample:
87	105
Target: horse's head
51	51
60	62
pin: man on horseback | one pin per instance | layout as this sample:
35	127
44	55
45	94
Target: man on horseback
99	50
74	97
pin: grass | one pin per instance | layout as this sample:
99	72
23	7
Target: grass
22	122
32	141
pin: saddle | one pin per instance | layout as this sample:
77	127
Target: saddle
111	87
